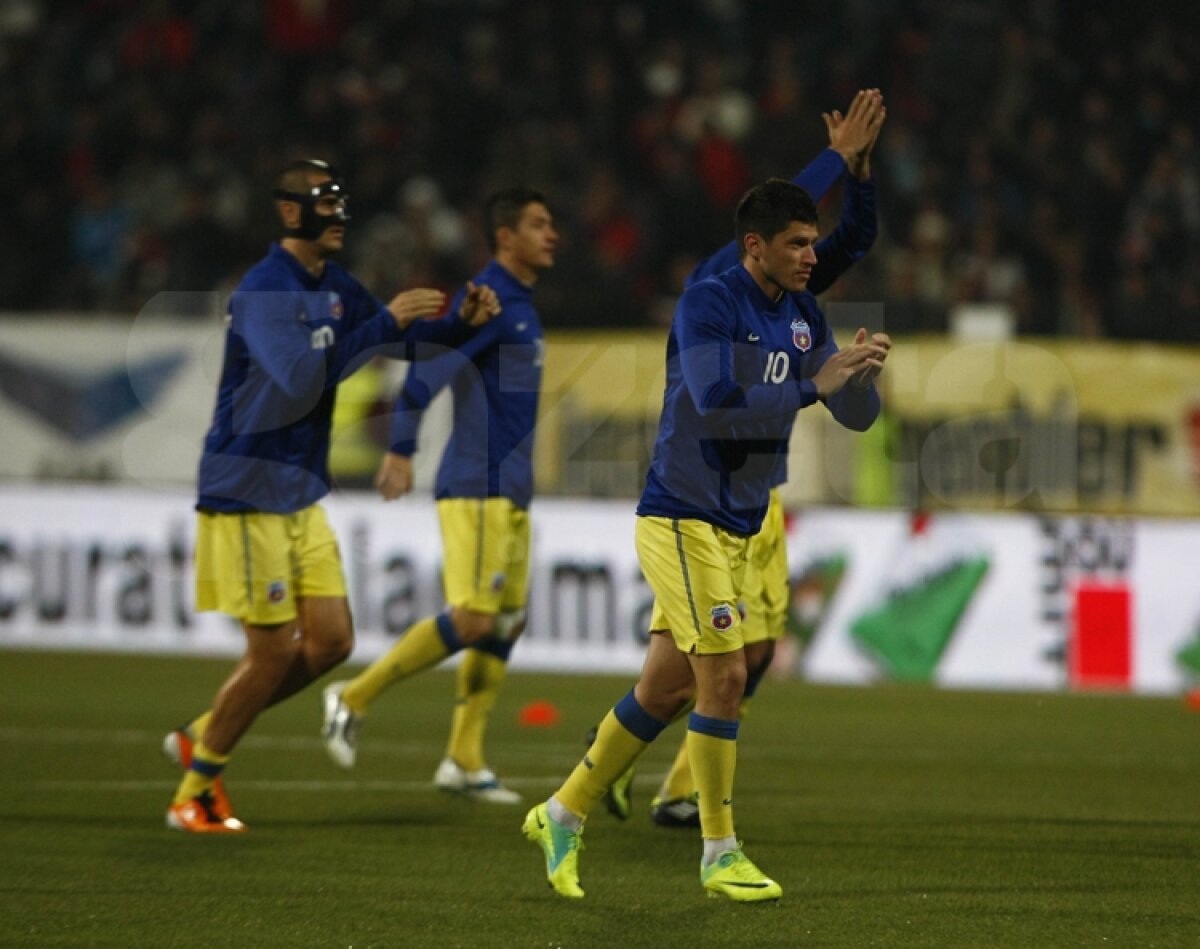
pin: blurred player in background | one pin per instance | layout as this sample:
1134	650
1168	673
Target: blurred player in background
748	348
852	138
265	553
484	487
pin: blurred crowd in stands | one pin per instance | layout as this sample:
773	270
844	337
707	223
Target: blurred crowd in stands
1041	154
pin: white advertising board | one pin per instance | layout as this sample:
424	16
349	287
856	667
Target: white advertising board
959	600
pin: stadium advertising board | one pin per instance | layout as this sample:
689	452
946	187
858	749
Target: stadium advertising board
1010	601
1018	425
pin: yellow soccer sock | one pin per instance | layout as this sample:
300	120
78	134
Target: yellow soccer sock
425	643
479	678
679	782
206	767
625	733
195	728
712	747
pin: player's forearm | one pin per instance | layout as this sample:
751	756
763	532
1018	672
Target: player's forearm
747	403
284	348
850	241
821	174
428	339
855	408
817	177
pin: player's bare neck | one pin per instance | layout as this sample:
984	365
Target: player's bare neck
770	288
518	268
307	253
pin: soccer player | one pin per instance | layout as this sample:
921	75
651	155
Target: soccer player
265	554
764	600
748	348
483	490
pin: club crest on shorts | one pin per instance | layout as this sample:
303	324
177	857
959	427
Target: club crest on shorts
801	335
722	616
335	305
276	591
498	581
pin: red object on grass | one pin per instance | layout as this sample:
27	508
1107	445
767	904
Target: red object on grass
539	714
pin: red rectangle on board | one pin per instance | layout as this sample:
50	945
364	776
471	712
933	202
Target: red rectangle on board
1101	649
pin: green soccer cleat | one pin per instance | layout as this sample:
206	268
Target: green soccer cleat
734	875
561	845
618	799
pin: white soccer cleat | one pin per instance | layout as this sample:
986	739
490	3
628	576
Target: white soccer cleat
341	727
481	785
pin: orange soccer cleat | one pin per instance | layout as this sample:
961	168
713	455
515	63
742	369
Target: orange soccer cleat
199	816
178	747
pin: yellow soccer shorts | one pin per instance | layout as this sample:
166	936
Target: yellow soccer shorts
696	571
255	565
485	543
765	590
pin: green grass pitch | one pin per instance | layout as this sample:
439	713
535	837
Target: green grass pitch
891	816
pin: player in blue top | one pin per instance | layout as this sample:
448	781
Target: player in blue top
748	348
483	490
265	554
765	595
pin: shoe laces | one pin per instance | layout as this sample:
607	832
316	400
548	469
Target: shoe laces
738	864
572	839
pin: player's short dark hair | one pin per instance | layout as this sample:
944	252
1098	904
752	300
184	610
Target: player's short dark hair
294	175
771	207
504	208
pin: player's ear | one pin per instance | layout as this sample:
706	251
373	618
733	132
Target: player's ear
289	213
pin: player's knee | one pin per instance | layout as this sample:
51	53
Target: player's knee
332	647
274	647
666	703
472	626
729	683
333	652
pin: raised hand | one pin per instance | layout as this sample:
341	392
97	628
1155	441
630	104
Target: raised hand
853	135
413	305
479	305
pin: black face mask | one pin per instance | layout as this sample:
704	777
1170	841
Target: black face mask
312	223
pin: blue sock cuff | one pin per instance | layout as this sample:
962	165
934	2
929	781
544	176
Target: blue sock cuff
713	727
495	646
446	630
210	769
636	720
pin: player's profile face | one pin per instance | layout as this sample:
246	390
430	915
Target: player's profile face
788	257
332	239
535	237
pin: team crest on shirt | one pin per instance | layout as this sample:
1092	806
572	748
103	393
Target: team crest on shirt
801	335
276	591
498	581
722	616
335	305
